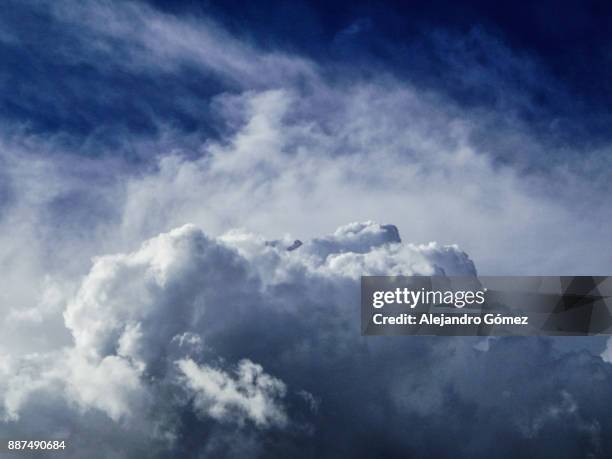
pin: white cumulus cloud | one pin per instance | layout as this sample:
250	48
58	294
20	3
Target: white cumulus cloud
252	394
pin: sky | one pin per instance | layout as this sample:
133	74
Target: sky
157	160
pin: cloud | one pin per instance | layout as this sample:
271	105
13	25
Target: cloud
158	320
607	353
212	337
172	42
252	395
385	153
201	339
292	151
111	385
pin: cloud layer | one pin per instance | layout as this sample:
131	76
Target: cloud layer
154	179
191	342
165	319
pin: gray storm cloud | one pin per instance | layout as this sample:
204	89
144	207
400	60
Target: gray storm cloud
237	340
136	317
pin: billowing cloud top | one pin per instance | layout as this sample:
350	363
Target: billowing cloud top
238	346
173	316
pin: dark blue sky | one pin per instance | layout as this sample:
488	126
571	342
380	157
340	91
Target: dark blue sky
570	40
462	49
